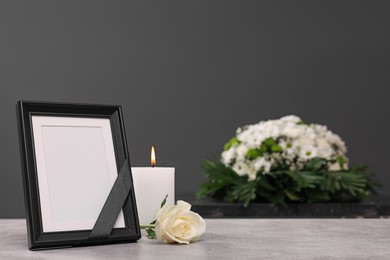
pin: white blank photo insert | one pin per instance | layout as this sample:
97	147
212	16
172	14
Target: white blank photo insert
76	170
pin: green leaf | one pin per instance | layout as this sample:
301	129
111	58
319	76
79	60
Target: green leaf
164	201
220	179
315	164
265	184
263	148
244	192
337	185
252	154
292	196
276	148
341	161
269	142
231	142
310	179
294	181
151	234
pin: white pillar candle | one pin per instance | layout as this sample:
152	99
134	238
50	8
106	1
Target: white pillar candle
151	185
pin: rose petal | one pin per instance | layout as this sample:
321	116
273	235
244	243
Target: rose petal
184	206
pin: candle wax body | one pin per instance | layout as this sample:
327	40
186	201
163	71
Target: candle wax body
151	185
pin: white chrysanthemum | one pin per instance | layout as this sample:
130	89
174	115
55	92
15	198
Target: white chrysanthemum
334	166
291	119
325	149
262	164
228	156
241	168
308	152
241	151
336	140
291	130
252	173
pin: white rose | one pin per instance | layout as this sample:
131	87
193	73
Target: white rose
178	224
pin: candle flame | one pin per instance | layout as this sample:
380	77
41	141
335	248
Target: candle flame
153	157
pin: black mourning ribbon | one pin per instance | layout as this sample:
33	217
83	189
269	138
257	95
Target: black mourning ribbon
113	205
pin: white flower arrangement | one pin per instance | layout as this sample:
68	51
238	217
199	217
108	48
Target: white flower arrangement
285	160
290	143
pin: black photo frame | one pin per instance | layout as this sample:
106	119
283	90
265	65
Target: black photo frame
48	131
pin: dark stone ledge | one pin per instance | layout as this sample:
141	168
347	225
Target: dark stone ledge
374	207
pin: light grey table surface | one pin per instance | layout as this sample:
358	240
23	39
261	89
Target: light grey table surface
231	239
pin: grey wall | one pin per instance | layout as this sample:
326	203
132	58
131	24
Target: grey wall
188	73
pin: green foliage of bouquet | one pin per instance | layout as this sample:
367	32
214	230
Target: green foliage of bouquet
283	161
